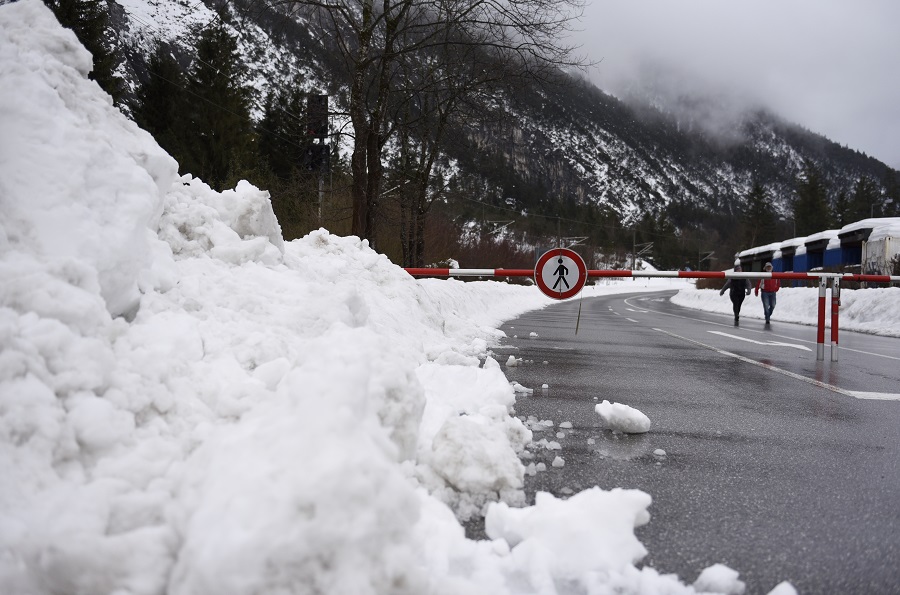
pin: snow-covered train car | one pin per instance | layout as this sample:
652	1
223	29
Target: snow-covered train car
868	246
881	248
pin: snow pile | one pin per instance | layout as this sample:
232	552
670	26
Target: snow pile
872	310
104	193
188	405
540	538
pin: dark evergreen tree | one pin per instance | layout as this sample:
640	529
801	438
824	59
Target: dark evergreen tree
759	218
219	138
812	212
89	19
841	209
892	193
282	131
161	102
294	164
669	250
865	200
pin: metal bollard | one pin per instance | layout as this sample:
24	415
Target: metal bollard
820	330
835	307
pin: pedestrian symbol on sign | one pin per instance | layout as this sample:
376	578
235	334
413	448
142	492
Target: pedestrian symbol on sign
560	273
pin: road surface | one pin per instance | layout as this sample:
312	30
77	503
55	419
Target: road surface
778	465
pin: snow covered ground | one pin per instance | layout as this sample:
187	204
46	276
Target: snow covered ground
191	405
875	310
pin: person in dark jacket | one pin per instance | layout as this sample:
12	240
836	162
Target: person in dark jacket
769	288
740	288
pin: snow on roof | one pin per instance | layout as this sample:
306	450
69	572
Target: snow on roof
834	241
874	223
822	235
885	231
793	242
882	227
760	249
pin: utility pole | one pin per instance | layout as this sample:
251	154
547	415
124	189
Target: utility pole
633	246
638	249
317	128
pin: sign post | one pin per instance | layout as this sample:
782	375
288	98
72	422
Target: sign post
560	273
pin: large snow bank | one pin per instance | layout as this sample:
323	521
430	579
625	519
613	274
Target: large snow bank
190	405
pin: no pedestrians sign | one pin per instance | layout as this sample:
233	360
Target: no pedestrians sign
560	273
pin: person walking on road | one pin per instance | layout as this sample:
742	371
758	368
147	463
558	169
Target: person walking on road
739	289
769	288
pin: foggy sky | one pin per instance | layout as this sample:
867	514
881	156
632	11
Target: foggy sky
832	66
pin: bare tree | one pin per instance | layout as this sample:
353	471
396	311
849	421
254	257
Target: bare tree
380	42
441	95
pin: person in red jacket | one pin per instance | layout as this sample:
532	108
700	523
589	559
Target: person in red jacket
769	288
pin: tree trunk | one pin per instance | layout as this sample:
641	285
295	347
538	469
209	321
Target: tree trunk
373	186
420	237
358	186
405	225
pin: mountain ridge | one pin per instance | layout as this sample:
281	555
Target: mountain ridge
572	144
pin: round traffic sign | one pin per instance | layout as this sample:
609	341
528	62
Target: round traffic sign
560	273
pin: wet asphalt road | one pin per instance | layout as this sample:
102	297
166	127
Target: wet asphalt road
778	477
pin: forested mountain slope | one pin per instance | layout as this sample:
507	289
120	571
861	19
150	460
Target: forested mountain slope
562	159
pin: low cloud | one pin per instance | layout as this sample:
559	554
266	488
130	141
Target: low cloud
828	65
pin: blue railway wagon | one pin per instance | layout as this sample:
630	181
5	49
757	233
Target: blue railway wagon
869	244
833	257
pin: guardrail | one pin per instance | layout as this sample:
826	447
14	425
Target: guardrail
624	273
823	279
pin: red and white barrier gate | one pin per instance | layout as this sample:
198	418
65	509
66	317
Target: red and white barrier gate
617	273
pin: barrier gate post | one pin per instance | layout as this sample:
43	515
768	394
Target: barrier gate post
835	307
820	330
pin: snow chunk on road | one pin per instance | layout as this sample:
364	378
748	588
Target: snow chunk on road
521	389
719	578
622	418
591	531
783	588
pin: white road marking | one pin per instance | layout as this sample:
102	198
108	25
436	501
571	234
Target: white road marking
818	383
842	348
875	396
631	320
772	343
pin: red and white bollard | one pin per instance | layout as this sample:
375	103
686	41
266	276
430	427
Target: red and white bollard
820	331
835	307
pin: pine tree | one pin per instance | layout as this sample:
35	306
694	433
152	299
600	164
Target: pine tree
842	215
282	131
864	200
160	102
89	19
812	212
220	141
287	153
759	217
892	193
